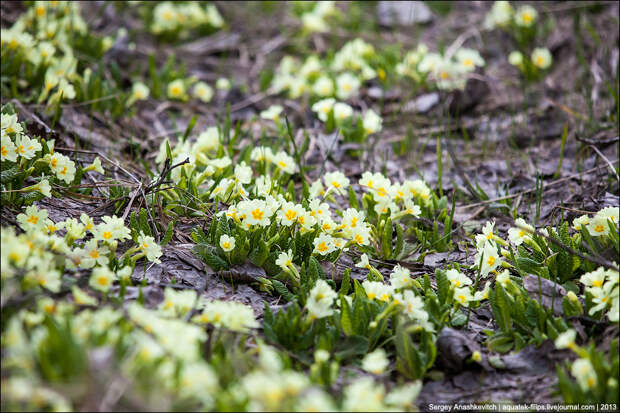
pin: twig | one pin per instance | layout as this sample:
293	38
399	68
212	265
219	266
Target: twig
32	115
250	101
606	160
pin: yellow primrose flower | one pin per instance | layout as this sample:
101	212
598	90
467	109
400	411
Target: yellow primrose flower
314	22
581	222
515	58
323	107
342	111
289	213
227	243
521	232
285	260
101	279
541	58
337	182
463	296
203	91
82	298
347	85
400	277
469	59
33	219
375	362
223	84
583	371
566	339
320	300
272	113
458	279
323	244
526	16
372	122
151	249
611	213
26	147
490	258
139	91
8	150
323	86
176	89
95	166
94	254
285	162
598	226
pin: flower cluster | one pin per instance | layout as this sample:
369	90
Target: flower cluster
36	156
602	286
503	15
37	256
40	47
182	18
599	224
521	23
315	20
446	72
343	113
228	314
341	78
540	59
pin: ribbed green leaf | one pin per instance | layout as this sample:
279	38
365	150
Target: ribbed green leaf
8	175
346	317
169	231
443	285
283	291
205	253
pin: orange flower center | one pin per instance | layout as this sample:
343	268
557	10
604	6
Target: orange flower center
257	214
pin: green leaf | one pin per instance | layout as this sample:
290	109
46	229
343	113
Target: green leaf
443	285
169	231
259	254
386	242
205	253
503	318
9	175
135	227
189	128
527	265
353	199
408	360
143	222
459	319
199	237
361	317
313	270
345	317
500	343
283	291
350	347
345	285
